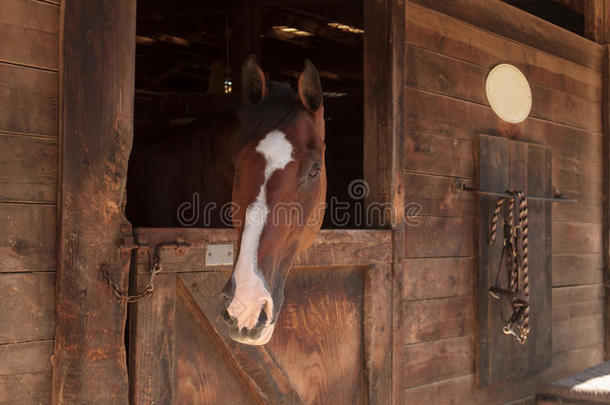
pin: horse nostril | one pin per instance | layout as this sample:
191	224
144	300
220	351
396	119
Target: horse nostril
225	297
262	317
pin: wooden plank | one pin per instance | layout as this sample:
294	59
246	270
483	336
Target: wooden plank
377	58
577	269
451	37
438	237
437	360
384	23
434	154
596	21
577	301
456	118
30	32
436	195
28	169
453	77
576	333
606	189
28	100
97	81
462	389
322	328
399	327
576	238
25	373
510	22
28	311
152	341
578	178
28	238
202	373
437	278
430	320
331	247
377	327
539	174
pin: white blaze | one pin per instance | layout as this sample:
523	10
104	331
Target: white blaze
250	293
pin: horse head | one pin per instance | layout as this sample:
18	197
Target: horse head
279	191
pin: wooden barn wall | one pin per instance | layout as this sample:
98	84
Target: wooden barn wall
446	63
29	32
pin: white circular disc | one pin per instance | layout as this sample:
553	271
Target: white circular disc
508	93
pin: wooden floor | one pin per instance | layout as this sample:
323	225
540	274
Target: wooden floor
28	197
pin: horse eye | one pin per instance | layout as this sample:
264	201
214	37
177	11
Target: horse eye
314	171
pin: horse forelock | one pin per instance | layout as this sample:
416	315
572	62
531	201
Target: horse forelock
276	111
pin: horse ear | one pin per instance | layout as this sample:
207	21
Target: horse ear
254	86
310	89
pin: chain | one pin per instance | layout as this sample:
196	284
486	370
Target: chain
150	287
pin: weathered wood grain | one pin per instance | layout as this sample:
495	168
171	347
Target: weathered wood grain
384	23
577	269
254	365
462	389
434	154
30	32
457	118
28	169
464	80
431	320
522	27
577	237
437	196
28	309
97	82
25	373
377	328
449	36
577	301
510	165
576	333
318	340
437	360
152	341
437	278
202	374
330	248
28	238
28	100
606	179
438	237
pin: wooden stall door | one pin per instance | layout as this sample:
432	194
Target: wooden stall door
331	344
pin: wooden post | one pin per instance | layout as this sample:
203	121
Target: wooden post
597	18
96	124
245	37
383	103
606	188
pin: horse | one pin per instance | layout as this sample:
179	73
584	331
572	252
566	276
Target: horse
273	152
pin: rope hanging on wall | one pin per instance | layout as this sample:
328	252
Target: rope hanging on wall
514	258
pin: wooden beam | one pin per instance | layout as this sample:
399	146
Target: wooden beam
384	24
576	5
317	27
597	20
96	124
606	187
510	22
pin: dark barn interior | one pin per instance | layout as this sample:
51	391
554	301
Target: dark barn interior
188	59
